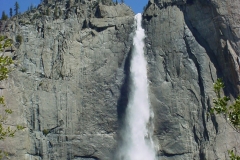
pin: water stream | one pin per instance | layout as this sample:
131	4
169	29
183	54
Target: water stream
137	135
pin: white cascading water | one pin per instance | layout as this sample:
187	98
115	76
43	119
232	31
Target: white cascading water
137	143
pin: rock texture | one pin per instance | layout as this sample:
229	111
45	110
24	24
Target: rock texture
71	78
67	81
191	43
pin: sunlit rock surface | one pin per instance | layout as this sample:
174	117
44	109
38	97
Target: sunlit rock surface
189	45
70	84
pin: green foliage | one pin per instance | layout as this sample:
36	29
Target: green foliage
233	156
20	127
45	132
19	39
4	42
218	86
4	16
222	106
5	68
6	132
234	113
5	63
3	154
2	100
231	111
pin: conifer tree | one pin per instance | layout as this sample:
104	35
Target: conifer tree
10	12
31	7
16	9
4	16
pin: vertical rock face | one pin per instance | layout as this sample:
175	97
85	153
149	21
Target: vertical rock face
66	85
191	43
69	87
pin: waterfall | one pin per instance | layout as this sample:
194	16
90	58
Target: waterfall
136	135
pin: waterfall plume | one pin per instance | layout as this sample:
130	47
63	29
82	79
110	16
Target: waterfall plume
137	141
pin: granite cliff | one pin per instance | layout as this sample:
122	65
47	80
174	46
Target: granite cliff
190	43
70	84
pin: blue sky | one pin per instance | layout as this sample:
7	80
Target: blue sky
136	5
5	5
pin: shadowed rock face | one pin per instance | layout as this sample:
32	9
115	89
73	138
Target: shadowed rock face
189	45
70	83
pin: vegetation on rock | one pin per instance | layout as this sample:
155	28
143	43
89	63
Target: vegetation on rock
4	16
10	12
230	111
5	68
45	132
19	39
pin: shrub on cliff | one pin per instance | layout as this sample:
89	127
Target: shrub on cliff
47	12
19	39
230	110
5	63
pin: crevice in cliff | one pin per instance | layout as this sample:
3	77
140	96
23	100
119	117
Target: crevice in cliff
213	118
195	135
87	24
98	13
201	85
201	41
202	155
213	59
172	154
87	157
216	56
166	71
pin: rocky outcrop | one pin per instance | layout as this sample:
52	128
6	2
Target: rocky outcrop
66	83
191	43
